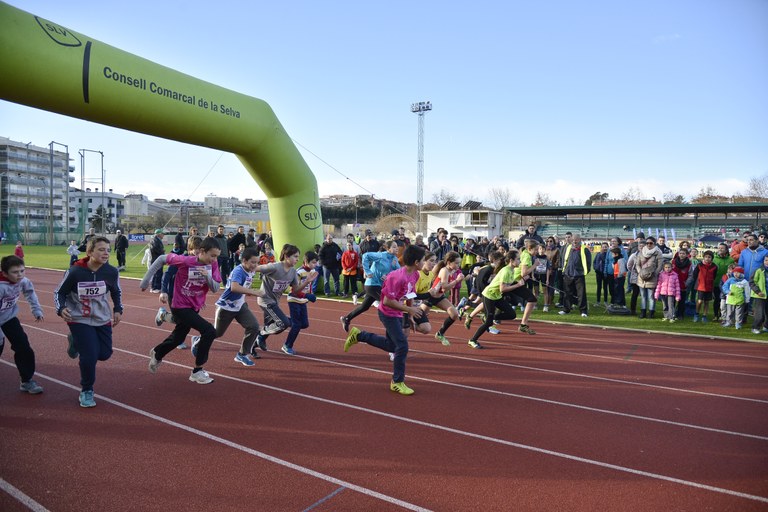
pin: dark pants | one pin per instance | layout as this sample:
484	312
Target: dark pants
633	298
245	318
23	355
120	258
274	315
299	321
396	341
372	294
574	286
93	343
617	297
224	269
328	273
157	279
602	286
186	320
500	309
350	284
716	295
760	310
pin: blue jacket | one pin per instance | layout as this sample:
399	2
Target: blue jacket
377	265
751	260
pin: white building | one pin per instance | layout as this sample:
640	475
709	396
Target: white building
33	184
471	219
85	204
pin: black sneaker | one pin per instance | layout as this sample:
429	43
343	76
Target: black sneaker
261	342
344	323
71	350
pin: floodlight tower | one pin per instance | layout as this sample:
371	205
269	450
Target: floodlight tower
420	109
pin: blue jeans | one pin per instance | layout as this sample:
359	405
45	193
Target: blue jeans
330	272
647	300
94	343
396	341
299	321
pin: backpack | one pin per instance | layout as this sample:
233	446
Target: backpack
616	309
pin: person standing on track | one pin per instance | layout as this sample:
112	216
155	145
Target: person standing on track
82	301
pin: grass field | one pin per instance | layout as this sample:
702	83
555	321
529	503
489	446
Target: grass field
57	258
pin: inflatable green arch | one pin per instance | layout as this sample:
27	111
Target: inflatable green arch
47	66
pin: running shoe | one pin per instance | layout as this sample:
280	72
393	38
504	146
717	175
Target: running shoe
391	356
243	359
442	339
546	309
271	329
86	399
182	346
474	344
354	299
195	341
261	341
462	303
400	387
494	330
755	331
344	323
288	350
31	387
584	315
160	316
71	350
200	377
526	329
468	322
351	339
154	363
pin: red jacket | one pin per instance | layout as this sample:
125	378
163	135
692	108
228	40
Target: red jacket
349	263
704	277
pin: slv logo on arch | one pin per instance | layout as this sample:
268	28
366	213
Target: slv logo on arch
58	33
309	215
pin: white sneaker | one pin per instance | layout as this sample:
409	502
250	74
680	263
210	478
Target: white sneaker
354	299
391	356
201	377
755	331
546	309
272	329
160	316
376	304
584	315
154	363
562	312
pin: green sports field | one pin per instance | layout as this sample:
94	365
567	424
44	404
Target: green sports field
57	258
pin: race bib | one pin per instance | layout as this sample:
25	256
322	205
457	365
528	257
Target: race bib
197	274
280	286
91	289
8	303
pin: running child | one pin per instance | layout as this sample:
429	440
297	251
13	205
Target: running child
13	284
82	300
376	265
233	306
275	279
399	286
297	303
449	278
493	295
196	276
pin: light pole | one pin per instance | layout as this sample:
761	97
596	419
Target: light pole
420	109
26	205
83	204
51	238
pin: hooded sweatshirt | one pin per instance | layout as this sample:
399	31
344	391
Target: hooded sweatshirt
9	298
84	293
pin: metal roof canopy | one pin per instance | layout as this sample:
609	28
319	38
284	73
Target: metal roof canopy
636	209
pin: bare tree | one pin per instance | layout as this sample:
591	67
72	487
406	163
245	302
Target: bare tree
633	194
443	196
542	199
758	186
501	197
672	198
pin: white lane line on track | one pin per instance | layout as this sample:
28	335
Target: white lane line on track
635	360
368	492
22	498
482	390
211	437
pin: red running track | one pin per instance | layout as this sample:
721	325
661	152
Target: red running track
573	418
